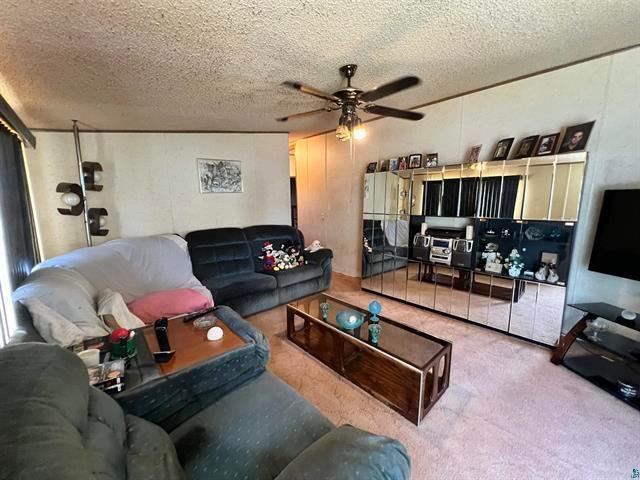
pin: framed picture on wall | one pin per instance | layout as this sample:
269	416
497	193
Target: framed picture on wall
432	160
527	146
372	167
576	137
474	153
402	163
219	176
415	160
502	149
393	164
384	165
547	144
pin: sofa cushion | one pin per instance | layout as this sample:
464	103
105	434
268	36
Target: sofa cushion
67	293
168	303
348	452
233	286
150	453
219	251
296	275
253	432
55	426
52	326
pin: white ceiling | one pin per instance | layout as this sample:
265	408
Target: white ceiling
214	65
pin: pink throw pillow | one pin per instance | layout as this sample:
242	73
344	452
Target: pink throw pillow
168	303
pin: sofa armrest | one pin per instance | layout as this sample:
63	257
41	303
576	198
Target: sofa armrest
348	452
169	400
320	257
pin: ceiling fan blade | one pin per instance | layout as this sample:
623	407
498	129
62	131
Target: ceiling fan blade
389	88
311	91
304	114
393	112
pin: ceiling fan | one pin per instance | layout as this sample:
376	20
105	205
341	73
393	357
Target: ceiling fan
351	99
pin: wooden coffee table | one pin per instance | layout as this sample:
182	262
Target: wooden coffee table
407	369
191	347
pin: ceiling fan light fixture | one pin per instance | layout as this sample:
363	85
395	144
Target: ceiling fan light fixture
358	131
342	132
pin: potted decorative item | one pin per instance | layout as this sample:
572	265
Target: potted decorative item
375	308
349	319
374	332
514	263
324	310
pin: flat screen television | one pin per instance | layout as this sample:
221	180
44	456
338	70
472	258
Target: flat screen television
616	248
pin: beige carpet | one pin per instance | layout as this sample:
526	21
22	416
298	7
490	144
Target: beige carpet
508	413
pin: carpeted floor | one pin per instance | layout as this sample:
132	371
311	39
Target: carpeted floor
508	414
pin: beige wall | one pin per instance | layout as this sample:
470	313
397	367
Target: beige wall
151	183
330	181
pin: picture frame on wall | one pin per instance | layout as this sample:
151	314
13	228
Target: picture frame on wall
431	160
415	160
547	144
219	176
384	165
474	153
502	149
527	146
372	167
393	164
402	163
576	137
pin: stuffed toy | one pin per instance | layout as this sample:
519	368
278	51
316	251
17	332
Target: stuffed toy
268	256
314	247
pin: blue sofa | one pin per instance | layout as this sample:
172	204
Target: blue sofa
225	418
226	261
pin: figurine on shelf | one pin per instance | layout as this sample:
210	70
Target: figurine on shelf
552	277
375	308
514	263
324	310
542	272
493	259
374	332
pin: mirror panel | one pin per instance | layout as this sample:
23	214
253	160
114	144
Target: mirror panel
480	298
368	199
388	280
523	310
567	188
427	285
461	283
400	279
450	191
418	191
404	192
470	189
548	317
513	188
379	191
413	282
373	231
443	288
433	197
391	193
500	304
538	192
491	189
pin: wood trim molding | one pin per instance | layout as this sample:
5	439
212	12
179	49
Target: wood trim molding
11	118
69	130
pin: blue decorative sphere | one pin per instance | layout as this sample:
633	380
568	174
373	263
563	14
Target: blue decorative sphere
375	308
349	319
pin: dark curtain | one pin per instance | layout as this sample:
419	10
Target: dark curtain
431	198
469	197
15	209
491	195
450	194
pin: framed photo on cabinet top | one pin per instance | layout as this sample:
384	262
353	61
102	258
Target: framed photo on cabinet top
502	149
548	144
527	146
576	137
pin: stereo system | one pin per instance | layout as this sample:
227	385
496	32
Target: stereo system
444	246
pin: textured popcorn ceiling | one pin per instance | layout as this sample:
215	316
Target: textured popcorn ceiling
217	65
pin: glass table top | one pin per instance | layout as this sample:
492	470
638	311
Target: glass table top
402	342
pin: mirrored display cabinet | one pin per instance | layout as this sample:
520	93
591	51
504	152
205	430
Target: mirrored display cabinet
439	237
